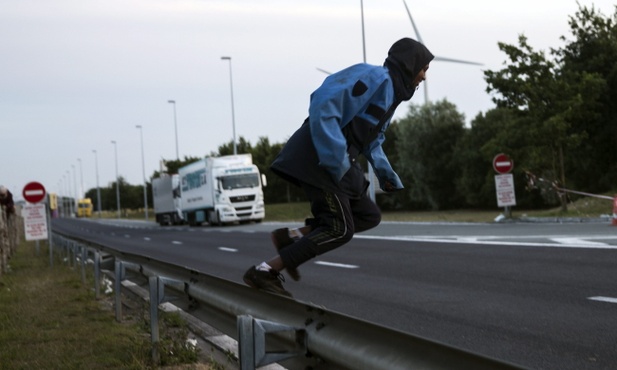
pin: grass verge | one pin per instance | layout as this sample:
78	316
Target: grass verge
50	320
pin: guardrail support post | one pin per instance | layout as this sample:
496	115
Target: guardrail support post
73	255
97	274
84	256
51	255
119	270
252	342
157	292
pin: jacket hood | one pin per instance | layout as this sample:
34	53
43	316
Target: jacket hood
406	58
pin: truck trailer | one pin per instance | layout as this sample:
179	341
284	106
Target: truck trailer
221	190
84	207
166	197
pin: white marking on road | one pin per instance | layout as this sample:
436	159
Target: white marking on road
603	299
487	240
225	249
176	242
146	238
576	241
333	264
127	236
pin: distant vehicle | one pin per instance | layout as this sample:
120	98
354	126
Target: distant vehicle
222	190
166	197
84	207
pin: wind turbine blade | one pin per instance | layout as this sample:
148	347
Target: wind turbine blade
324	71
413	24
442	59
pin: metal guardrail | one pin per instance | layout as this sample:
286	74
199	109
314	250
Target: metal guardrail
271	328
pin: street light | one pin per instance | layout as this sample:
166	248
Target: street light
68	187
143	167
371	176
176	127
81	175
98	188
117	179
75	193
233	118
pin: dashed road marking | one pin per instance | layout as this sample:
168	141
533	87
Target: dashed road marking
176	242
146	238
333	264
225	249
603	299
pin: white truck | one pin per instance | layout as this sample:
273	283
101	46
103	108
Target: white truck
166	197
222	190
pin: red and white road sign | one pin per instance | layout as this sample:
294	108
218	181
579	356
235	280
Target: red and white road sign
504	184
34	192
502	164
35	221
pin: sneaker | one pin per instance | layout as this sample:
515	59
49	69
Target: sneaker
281	239
268	281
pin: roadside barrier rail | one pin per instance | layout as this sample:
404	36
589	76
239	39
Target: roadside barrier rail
271	328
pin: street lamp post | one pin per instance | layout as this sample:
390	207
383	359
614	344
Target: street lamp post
175	127
233	116
98	188
82	193
143	167
75	191
371	176
68	187
117	179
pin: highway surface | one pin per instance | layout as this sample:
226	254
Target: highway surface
543	296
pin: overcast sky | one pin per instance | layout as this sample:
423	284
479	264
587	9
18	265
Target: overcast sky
77	74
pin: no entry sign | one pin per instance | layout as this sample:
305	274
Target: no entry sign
34	192
502	164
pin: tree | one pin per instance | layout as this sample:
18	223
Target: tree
242	146
426	159
546	101
592	54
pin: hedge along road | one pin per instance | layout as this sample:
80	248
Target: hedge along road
517	292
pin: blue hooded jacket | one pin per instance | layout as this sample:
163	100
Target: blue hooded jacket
343	115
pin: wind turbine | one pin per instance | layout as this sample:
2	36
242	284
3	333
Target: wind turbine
442	59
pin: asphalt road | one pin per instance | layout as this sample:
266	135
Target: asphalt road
542	296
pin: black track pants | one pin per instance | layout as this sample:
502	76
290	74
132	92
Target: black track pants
336	219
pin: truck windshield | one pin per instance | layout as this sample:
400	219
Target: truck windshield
248	180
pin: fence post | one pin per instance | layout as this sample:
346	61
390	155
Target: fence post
4	242
614	219
97	274
119	269
156	297
84	256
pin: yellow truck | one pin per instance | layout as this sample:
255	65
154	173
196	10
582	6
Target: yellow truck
84	208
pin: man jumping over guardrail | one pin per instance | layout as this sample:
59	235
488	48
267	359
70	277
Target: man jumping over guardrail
348	116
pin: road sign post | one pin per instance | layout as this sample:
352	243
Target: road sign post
504	183
36	217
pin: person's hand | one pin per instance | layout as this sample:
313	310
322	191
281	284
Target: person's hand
389	187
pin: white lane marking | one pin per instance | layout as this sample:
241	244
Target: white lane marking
225	249
146	238
603	299
127	236
489	240
576	241
333	264
176	242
